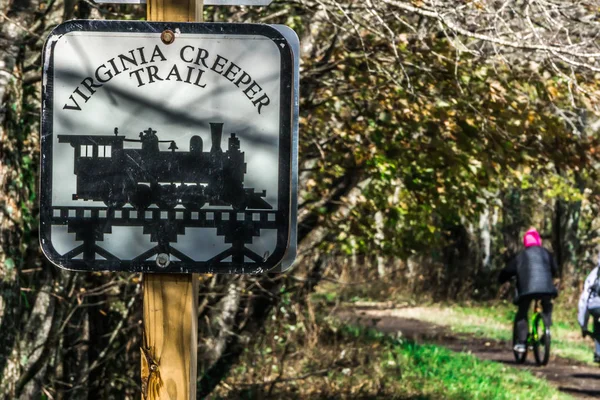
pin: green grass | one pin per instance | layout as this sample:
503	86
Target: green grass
436	372
330	360
495	321
462	376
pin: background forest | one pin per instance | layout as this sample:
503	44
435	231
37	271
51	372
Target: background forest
432	134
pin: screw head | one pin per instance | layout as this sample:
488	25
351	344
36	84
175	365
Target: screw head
168	36
163	260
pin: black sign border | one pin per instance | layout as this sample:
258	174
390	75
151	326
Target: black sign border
285	145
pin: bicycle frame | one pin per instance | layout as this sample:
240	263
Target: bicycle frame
533	336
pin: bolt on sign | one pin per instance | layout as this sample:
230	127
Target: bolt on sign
169	147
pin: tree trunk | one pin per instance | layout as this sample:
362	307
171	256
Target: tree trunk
512	222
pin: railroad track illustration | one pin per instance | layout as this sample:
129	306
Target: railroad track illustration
90	224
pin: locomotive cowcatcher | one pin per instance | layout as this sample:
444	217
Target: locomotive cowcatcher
142	176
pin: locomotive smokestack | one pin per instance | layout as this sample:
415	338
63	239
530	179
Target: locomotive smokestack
216	131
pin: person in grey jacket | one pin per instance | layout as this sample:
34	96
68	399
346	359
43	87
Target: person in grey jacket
534	268
589	305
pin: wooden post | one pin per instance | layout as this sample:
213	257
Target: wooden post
169	355
170	342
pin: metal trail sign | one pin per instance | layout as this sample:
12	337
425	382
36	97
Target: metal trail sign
169	147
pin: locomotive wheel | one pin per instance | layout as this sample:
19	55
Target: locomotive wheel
195	203
141	197
167	204
167	197
239	204
192	197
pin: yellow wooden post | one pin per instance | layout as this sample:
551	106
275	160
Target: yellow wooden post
169	355
170	342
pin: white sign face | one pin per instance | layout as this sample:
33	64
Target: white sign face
169	146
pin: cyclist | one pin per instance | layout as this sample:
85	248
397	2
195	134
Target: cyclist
589	304
534	268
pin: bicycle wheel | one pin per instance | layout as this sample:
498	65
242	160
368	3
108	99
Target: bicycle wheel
541	344
519	357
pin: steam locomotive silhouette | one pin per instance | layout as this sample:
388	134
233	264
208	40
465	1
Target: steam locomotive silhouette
107	172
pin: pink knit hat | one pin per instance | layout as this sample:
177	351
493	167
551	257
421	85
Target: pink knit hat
532	238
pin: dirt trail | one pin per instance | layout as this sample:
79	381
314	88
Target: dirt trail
577	379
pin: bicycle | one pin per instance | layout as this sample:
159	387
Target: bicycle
538	338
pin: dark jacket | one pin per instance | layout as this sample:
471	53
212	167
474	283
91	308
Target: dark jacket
534	268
